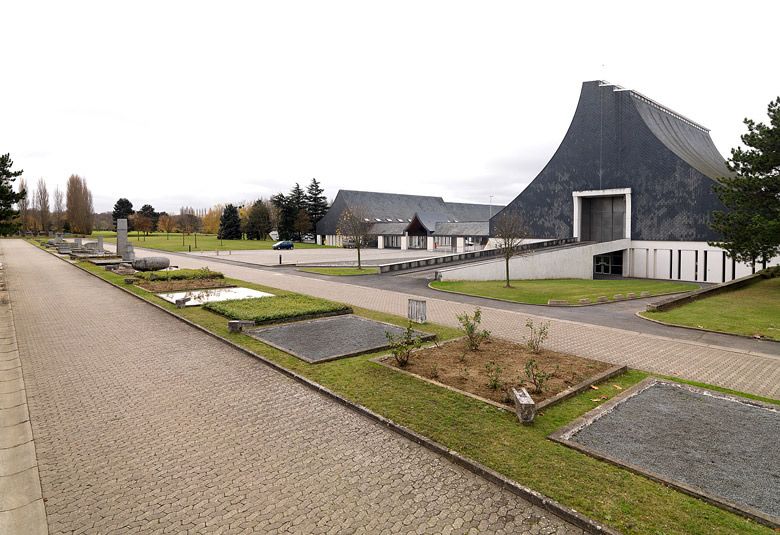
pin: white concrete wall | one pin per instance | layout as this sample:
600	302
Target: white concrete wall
564	263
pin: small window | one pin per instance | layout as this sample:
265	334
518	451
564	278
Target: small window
400	220
389	219
378	219
368	220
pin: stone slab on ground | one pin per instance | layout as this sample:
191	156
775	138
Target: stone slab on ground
326	339
724	445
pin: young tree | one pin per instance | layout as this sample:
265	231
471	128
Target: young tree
258	221
59	207
229	224
123	209
78	201
188	221
751	226
316	203
355	225
166	224
142	223
510	232
9	216
42	203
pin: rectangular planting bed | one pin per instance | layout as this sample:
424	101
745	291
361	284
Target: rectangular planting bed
718	447
332	338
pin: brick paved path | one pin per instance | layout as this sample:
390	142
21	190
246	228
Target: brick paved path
142	424
731	368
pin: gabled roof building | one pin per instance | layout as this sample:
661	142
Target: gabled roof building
410	221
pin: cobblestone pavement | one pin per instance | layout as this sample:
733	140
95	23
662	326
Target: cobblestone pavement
143	424
727	367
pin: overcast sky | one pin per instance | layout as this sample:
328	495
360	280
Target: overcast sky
194	103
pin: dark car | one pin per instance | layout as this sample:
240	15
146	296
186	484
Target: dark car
286	244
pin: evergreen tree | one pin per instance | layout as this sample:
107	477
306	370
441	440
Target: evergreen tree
229	224
316	203
8	197
123	209
147	210
751	226
287	214
259	221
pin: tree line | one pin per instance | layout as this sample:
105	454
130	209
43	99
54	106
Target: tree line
293	216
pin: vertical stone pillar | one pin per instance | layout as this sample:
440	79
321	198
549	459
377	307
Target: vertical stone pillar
121	238
404	242
460	244
100	243
319	239
431	244
380	242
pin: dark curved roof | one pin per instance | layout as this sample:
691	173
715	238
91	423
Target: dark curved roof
621	139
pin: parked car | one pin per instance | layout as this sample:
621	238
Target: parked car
286	244
348	243
307	238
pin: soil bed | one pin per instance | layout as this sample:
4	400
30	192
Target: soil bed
447	365
182	285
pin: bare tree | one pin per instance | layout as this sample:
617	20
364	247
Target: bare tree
24	204
166	224
59	208
78	201
510	232
42	202
355	225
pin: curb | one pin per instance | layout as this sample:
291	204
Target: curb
702	329
570	515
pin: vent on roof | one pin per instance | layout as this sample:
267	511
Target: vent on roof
378	219
400	220
389	219
368	220
409	220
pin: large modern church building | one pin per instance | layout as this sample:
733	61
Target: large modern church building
633	181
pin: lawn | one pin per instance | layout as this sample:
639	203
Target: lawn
538	292
625	501
752	310
176	242
342	271
180	274
279	307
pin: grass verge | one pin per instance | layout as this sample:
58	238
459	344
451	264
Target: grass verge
747	311
279	307
626	501
341	271
180	275
538	292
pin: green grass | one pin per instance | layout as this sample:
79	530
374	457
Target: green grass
279	307
748	311
180	274
538	292
342	271
625	501
177	243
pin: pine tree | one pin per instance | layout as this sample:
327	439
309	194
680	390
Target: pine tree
751	226
9	220
286	226
229	224
259	221
123	209
316	203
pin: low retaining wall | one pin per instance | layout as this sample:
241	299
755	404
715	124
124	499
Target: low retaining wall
674	302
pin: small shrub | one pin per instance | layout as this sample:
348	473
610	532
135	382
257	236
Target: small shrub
470	325
536	376
401	346
494	375
538	335
181	274
434	372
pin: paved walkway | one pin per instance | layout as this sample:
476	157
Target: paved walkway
143	424
735	368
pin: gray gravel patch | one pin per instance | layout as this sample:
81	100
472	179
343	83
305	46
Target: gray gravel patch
329	338
725	447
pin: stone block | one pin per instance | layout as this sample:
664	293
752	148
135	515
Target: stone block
645	294
557	302
618	297
630	295
602	299
584	301
236	326
151	263
130	280
525	408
